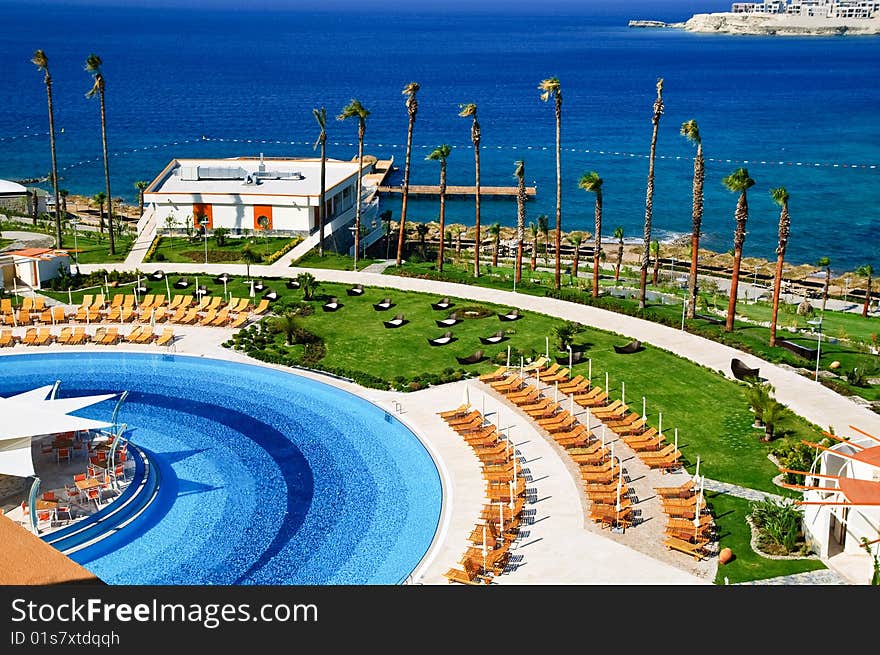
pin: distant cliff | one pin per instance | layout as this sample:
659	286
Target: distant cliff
769	24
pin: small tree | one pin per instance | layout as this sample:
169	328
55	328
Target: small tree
771	415
618	234
263	222
220	235
308	284
287	324
250	256
655	255
758	395
566	332
170	222
422	231
495	233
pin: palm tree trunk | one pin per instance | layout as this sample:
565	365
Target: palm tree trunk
557	272
696	226
442	214
323	196
520	224
649	210
495	252
357	207
575	261
58	234
739	237
827	284
619	262
777	285
107	175
477	208
400	236
597	243
656	269
867	299
534	262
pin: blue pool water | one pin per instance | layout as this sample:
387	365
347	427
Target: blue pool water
266	477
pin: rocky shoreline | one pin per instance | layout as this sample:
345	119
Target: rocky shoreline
770	25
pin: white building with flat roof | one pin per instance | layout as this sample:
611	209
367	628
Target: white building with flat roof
251	193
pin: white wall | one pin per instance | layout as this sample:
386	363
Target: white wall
292	218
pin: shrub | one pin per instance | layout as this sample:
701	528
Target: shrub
778	523
290	245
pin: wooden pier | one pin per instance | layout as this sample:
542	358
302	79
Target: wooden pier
434	190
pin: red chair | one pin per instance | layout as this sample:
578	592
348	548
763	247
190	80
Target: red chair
95	494
63	509
73	493
79	477
49	495
118	472
62	453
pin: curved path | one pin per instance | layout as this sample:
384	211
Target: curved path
805	397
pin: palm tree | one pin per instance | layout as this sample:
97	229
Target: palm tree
520	175
422	231
440	154
308	284
41	61
737	182
495	231
141	186
287	324
99	199
544	226
412	108
93	66
470	110
649	195
780	197
655	253
592	183
618	234
551	88
321	117
825	263
867	271
355	109
250	256
385	217
691	132
535	232
576	239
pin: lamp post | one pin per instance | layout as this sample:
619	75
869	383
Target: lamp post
203	223
684	305
818	323
845	288
353	228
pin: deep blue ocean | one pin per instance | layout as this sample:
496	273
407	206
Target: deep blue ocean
802	112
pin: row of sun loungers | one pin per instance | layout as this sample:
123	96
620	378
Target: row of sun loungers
689	525
181	309
489	552
73	336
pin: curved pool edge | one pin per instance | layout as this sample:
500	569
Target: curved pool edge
221	354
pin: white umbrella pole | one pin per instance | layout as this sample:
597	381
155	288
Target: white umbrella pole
623	393
590	369
570	354
547	347
508	357
675	445
697	472
168	288
484	548
644	408
225	293
556	392
606	382
69	297
660	424
512	491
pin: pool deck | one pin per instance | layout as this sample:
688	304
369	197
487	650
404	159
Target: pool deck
559	546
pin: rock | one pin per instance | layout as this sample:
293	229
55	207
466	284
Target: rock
834	365
725	556
827	375
873	381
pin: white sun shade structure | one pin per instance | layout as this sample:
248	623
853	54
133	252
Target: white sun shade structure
32	414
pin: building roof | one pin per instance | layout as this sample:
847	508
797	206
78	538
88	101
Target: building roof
281	177
860	492
44	254
8	187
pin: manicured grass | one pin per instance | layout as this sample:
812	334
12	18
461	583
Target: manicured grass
332	260
182	250
836	324
730	517
4	243
95	248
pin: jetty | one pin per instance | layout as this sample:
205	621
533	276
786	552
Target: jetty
434	190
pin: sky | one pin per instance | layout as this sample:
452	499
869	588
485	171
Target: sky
638	8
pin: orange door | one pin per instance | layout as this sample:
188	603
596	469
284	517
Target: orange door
262	211
203	210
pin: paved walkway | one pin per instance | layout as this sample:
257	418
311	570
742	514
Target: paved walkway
739	492
27	239
820	577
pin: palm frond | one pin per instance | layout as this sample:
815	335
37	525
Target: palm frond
780	195
440	153
40	60
549	88
691	131
738	181
469	109
320	116
411	89
590	182
520	171
93	63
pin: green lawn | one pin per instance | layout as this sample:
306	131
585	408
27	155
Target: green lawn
730	517
4	243
332	260
94	248
182	250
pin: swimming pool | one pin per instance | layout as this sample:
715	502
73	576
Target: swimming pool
266	477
